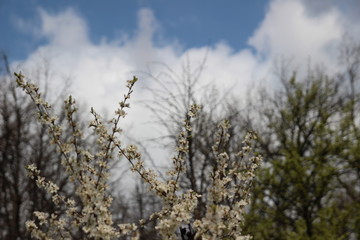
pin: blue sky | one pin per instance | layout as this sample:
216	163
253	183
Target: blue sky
95	44
191	23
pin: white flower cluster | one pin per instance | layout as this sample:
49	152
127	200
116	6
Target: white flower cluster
90	214
230	189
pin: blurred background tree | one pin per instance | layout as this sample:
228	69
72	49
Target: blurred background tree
23	141
308	187
173	95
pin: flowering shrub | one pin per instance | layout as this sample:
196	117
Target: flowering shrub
89	214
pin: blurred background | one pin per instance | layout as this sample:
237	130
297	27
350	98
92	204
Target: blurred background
288	69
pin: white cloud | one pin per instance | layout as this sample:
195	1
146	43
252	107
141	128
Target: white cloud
64	30
288	30
99	71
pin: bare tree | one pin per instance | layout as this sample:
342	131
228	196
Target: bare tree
23	142
174	93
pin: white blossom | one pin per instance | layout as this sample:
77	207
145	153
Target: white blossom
90	212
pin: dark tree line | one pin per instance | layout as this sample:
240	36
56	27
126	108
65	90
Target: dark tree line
22	142
309	136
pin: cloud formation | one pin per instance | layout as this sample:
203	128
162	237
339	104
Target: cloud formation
65	30
288	30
